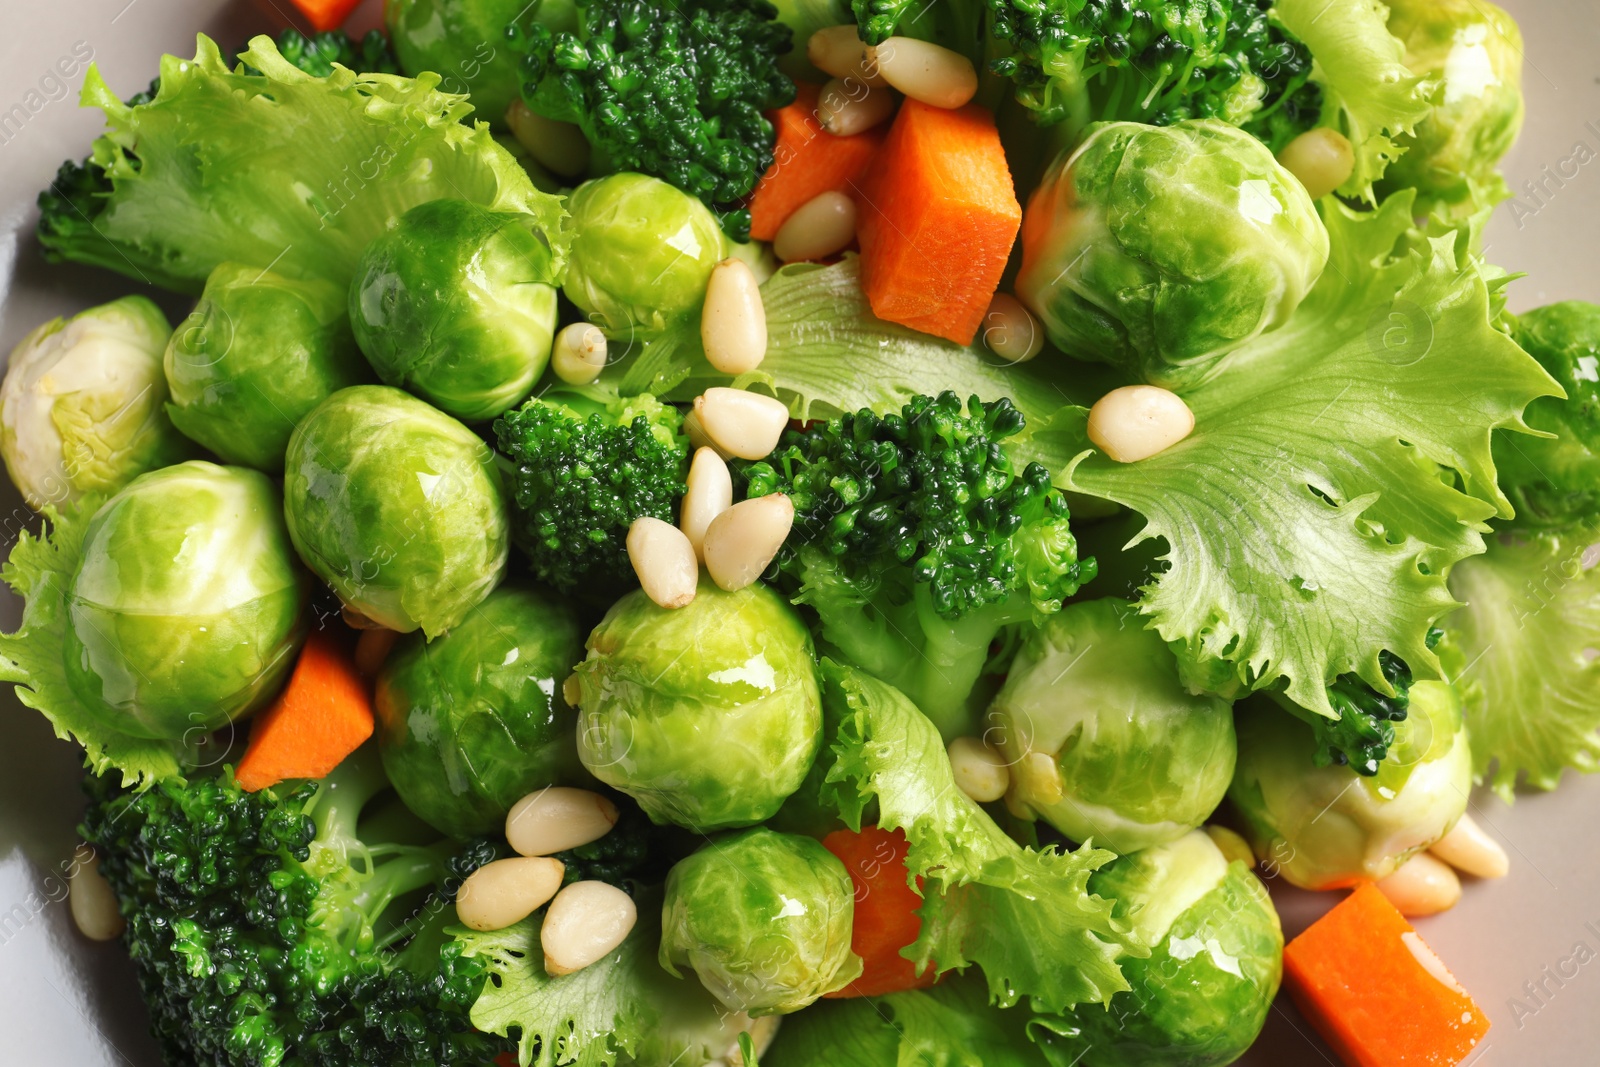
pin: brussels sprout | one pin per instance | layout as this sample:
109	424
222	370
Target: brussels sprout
764	919
1476	50
1162	249
641	253
470	723
1104	740
1201	996
187	607
455	304
257	353
708	715
80	409
397	507
464	42
1328	827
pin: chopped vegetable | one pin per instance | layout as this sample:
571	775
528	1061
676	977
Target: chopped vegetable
323	714
886	920
806	163
326	14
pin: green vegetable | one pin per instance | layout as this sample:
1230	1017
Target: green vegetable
456	303
805	17
316	54
80	409
1160	250
214	169
1293	563
1526	635
673	91
1475	49
1103	740
917	538
636	853
1202	996
473	721
1556	481
266	928
764	919
581	467
1327	827
258	352
396	506
707	715
641	254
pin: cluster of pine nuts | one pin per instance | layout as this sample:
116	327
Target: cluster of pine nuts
864	79
1427	883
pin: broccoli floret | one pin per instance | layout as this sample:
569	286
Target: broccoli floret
278	928
917	540
580	474
635	854
317	53
676	91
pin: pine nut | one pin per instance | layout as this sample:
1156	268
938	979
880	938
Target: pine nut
1010	331
709	494
558	818
927	72
504	892
372	648
1137	421
741	541
585	922
1467	848
697	434
1038	778
664	560
572	691
558	147
839	52
579	354
846	108
91	899
1422	886
1321	158
733	324
1231	845
978	769
740	423
817	229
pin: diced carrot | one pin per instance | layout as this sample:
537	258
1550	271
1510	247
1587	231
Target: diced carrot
886	918
506	1059
937	218
807	162
1376	992
322	716
326	14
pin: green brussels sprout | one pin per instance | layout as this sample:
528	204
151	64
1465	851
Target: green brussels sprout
397	507
80	409
1201	996
187	607
455	303
1329	827
764	919
641	253
463	41
1161	249
1105	742
708	715
258	352
1476	50
473	721
1556	481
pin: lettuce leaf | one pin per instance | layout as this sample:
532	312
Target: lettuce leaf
1025	917
1339	467
41	569
1530	636
282	169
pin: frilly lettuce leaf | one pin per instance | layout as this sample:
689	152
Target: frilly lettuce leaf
41	570
1368	93
282	169
1339	467
1026	917
1530	636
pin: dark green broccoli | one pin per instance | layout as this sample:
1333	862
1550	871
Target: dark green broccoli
317	53
676	91
917	540
580	472
292	926
634	854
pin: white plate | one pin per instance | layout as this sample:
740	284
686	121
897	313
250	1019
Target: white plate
68	1001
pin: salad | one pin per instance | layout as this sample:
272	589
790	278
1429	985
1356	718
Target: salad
815	533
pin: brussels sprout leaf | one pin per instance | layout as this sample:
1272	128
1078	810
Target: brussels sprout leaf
1529	633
